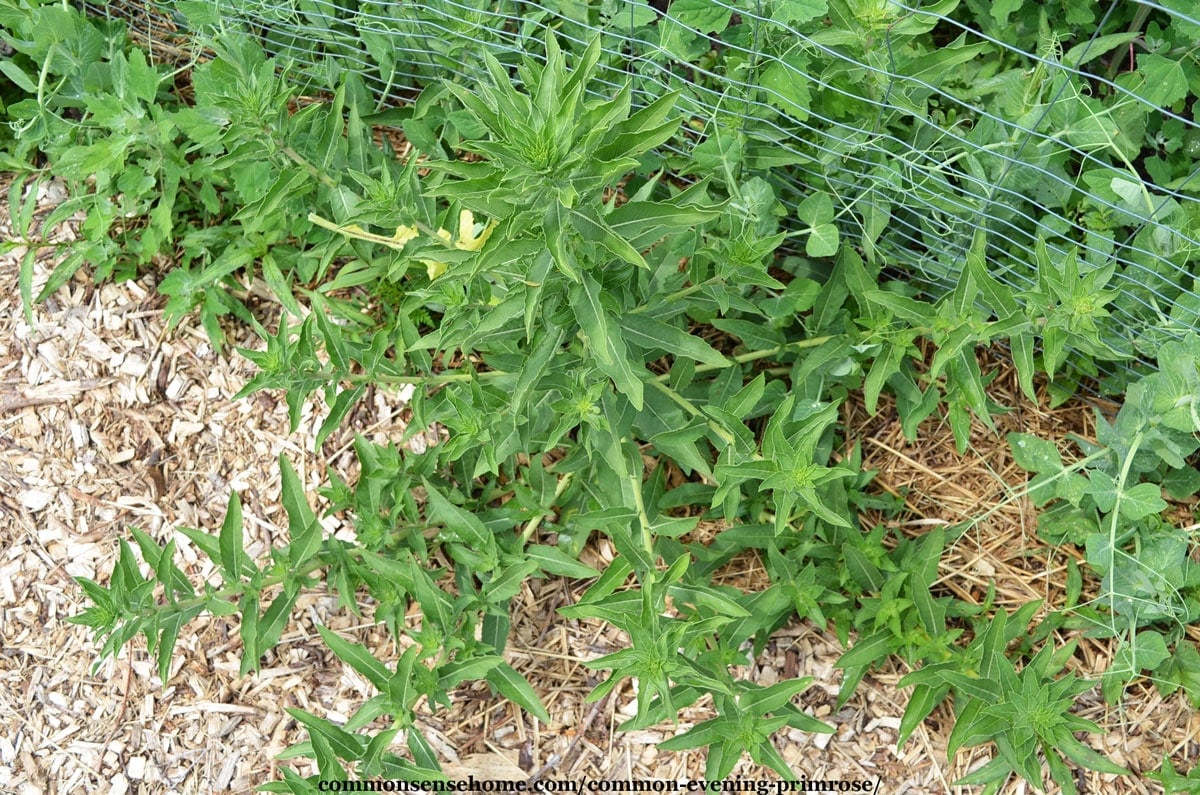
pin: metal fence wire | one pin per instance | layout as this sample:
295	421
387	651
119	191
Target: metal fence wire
1058	122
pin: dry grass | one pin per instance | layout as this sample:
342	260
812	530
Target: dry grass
106	421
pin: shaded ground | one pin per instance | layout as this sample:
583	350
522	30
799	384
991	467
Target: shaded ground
106	421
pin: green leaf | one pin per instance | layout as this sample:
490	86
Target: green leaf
358	658
1035	455
744	402
232	554
346	400
755	335
1166	80
643	223
1083	755
705	733
452	674
592	317
303	526
18	76
251	648
651	334
344	744
709	597
786	86
516	689
205	542
707	16
534	367
822	241
1141	501
816	209
166	642
142	78
861	569
795	12
1002	9
761	700
921	703
625	374
1103	490
553	560
461	525
868	651
275	618
597	231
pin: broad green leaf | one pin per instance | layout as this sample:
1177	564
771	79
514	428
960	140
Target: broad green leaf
756	336
1035	455
534	367
506	584
14	73
743	403
346	400
1141	501
643	223
170	627
705	733
865	573
796	12
706	16
252	650
422	751
1087	757
682	435
709	597
822	241
785	86
597	231
206	542
1166	80
816	209
1103	490
921	703
761	700
1002	9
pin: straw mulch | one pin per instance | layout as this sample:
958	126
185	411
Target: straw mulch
107	421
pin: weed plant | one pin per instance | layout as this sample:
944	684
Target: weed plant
582	321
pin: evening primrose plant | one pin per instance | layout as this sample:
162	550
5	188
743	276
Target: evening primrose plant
609	350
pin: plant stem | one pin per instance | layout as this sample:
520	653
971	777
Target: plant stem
1115	515
532	525
691	409
751	356
678	294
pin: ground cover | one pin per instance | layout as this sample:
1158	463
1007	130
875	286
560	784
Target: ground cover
571	388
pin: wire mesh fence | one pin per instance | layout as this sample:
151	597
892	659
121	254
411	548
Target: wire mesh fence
1029	130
